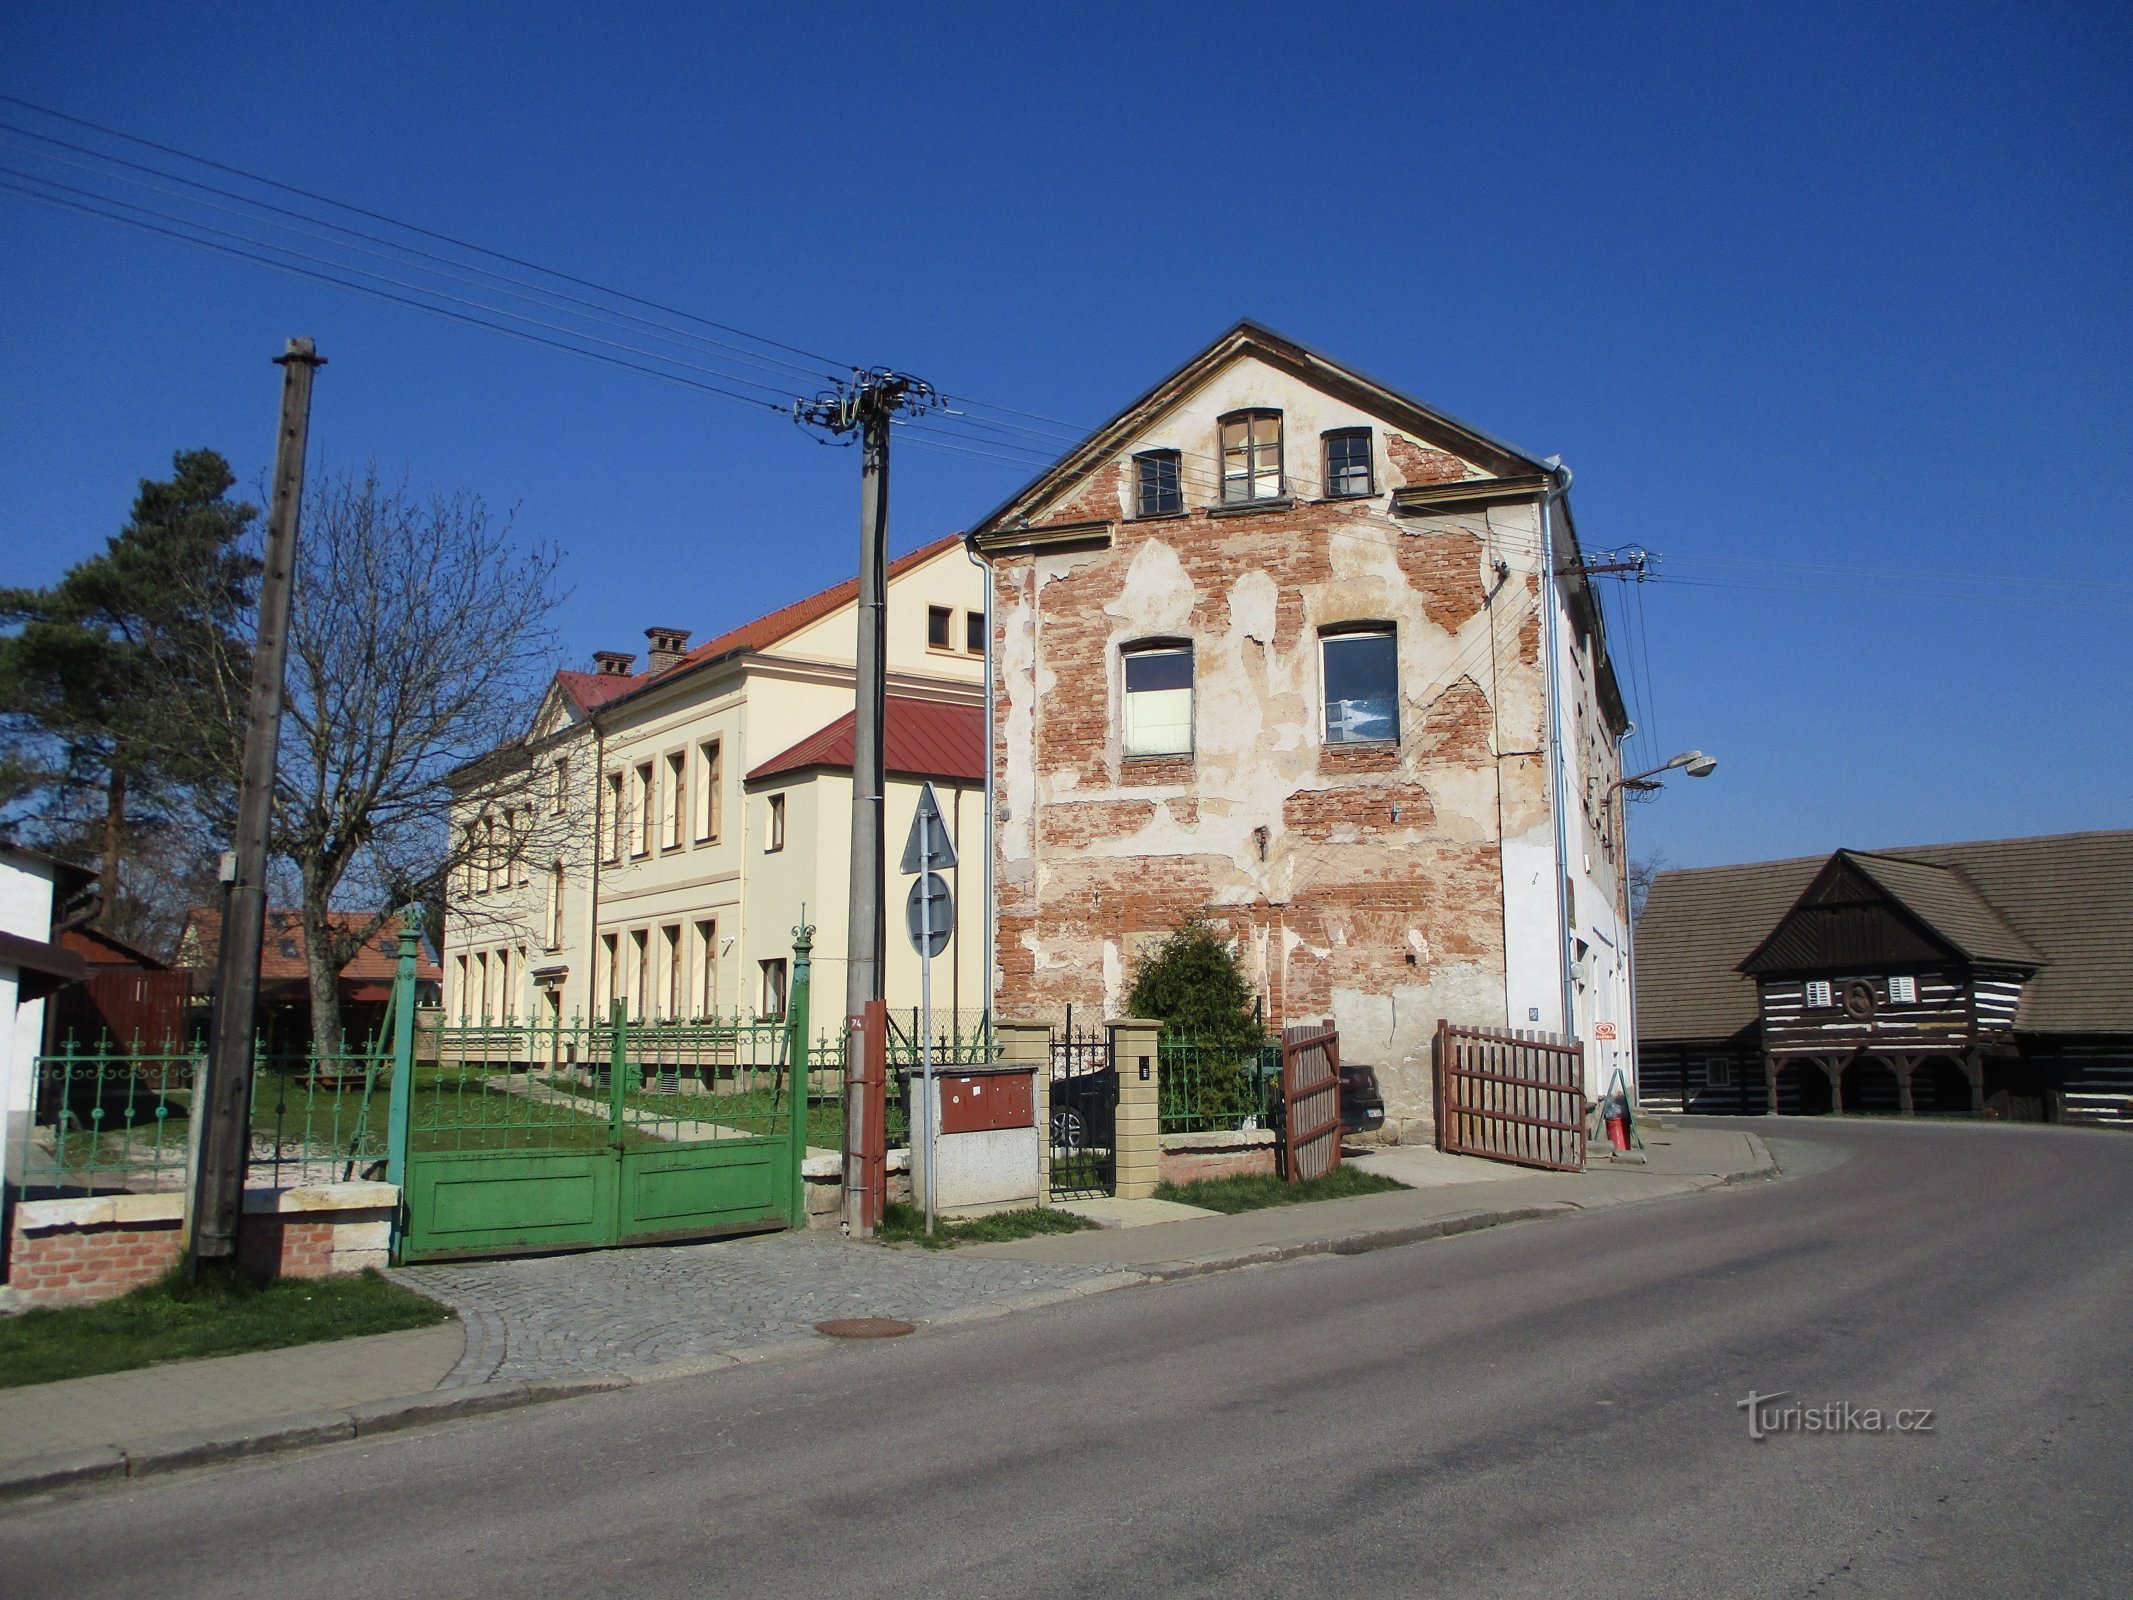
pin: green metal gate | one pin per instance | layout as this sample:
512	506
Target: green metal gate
515	1137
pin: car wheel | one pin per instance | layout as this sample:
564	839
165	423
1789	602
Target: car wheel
1067	1131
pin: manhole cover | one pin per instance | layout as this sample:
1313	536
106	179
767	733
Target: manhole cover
865	1327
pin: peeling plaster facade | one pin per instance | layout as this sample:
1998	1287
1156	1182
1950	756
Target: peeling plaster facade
1385	884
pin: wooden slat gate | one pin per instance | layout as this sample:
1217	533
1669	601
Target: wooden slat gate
1517	1097
1310	1102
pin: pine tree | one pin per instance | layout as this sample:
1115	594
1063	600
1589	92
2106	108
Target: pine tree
118	683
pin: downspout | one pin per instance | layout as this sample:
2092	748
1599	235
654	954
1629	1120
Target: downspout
986	987
1619	824
1559	486
592	910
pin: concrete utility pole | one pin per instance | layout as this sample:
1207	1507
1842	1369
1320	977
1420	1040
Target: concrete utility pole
224	1102
867	406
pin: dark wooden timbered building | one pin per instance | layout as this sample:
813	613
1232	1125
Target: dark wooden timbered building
1992	978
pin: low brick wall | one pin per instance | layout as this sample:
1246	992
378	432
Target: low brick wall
1194	1157
317	1230
72	1252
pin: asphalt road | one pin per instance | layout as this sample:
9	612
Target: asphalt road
1534	1410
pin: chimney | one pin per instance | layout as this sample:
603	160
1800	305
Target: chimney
613	663
668	646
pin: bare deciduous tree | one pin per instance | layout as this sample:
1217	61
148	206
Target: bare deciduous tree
1643	868
420	639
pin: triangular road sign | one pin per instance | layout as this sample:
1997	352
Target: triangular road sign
927	831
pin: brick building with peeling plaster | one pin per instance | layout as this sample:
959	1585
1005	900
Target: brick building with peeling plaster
1273	647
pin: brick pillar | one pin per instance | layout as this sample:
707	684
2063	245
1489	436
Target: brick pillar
1032	1042
1138	1147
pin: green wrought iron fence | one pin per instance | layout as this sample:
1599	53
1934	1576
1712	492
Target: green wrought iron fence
1205	1087
111	1117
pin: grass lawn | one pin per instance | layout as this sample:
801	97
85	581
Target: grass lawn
222	1316
1254	1191
902	1224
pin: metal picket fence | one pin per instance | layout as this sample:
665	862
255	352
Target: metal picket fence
1208	1087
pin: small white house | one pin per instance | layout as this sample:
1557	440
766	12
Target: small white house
31	967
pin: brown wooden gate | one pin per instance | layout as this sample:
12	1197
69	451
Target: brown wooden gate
1310	1101
1517	1097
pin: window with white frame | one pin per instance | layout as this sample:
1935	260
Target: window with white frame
710	801
617	828
671	800
1157	699
1819	994
641	973
707	968
1362	678
1251	457
775	839
1903	990
675	965
641	834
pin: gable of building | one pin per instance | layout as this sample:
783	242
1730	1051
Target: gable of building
2058	904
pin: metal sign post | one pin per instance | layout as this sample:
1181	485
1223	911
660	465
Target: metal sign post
929	915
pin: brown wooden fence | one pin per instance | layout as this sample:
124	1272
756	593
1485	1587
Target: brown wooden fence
1311	1101
1517	1097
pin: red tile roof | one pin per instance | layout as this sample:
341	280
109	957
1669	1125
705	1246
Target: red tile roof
281	954
591	690
921	739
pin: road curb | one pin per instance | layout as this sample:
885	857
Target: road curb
1359	1242
174	1452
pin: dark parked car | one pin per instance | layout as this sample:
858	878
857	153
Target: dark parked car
1084	1110
1362	1106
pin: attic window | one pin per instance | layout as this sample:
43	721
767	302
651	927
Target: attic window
1819	995
1348	463
1903	991
288	950
940	624
1251	457
1160	486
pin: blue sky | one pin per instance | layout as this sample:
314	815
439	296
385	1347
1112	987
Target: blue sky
1828	305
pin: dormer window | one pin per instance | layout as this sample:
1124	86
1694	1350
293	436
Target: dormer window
1160	487
1251	457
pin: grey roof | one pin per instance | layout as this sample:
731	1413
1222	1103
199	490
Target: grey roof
2062	900
1942	898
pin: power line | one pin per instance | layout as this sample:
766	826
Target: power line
398	283
427	233
382	294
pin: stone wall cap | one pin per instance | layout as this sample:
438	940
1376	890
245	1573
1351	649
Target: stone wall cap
325	1197
98	1210
1240	1139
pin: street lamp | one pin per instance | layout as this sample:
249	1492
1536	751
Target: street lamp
1697	765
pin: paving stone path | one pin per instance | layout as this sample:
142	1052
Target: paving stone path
604	1313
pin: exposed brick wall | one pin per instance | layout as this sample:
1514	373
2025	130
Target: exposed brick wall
73	1266
286	1247
1197	1166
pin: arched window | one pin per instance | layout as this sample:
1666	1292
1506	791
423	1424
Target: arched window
1157	719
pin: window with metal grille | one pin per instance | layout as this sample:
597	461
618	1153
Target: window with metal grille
1348	470
1251	457
1362	671
1161	485
1158	700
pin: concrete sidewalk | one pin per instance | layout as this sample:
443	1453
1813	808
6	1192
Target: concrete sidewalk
1448	1194
544	1328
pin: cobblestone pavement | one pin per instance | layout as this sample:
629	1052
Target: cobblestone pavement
614	1312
